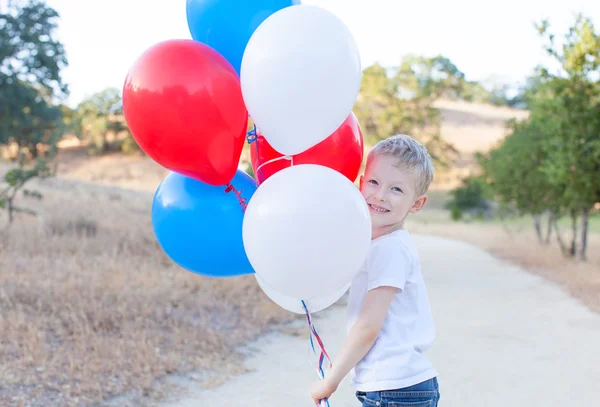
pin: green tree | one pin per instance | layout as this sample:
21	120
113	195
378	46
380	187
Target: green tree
385	108
574	152
515	173
101	116
430	78
438	77
472	197
402	100
30	84
551	162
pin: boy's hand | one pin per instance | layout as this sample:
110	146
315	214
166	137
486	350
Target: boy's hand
322	389
359	341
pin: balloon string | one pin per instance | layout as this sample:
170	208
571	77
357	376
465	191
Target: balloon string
252	137
238	195
323	353
283	157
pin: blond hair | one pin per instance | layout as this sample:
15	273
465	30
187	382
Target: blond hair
410	155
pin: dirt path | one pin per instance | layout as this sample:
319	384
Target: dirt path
505	338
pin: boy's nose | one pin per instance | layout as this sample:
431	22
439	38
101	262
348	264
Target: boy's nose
379	195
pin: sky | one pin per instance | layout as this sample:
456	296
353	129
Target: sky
485	39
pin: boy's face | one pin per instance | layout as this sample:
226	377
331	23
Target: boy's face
390	193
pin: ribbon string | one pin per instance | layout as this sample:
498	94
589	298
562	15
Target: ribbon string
238	194
322	354
283	157
252	138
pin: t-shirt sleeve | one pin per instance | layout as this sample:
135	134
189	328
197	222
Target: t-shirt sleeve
389	265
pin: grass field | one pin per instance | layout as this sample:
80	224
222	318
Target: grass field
92	307
438	198
564	223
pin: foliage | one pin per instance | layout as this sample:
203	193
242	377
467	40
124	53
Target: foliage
430	78
383	110
438	77
30	64
472	197
99	119
550	163
516	169
15	180
402	100
30	83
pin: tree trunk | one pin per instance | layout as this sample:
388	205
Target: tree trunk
573	250
32	148
585	217
537	224
559	239
10	209
551	218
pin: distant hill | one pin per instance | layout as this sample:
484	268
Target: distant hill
473	127
470	127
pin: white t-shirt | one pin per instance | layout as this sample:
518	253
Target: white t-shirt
396	360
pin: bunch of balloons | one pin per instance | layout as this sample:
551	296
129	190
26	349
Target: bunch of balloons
302	227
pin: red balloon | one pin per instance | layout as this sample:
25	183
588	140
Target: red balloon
341	151
183	103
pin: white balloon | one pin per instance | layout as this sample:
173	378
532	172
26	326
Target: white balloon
293	305
306	231
300	77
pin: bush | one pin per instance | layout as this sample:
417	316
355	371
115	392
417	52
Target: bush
471	198
130	146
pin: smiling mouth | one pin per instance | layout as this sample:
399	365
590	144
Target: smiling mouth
378	209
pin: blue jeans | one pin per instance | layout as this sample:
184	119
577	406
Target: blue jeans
426	394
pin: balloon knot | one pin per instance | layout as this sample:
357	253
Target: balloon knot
251	137
238	195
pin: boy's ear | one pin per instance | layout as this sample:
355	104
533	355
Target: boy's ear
419	204
360	181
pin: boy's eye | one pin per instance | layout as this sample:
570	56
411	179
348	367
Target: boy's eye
396	189
372	181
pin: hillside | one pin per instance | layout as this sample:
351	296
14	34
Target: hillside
469	127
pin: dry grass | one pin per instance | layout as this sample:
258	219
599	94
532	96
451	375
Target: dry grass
518	243
471	128
92	307
135	172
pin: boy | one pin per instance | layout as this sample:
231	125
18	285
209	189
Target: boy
388	309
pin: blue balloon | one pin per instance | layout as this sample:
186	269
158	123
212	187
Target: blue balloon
227	25
199	226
